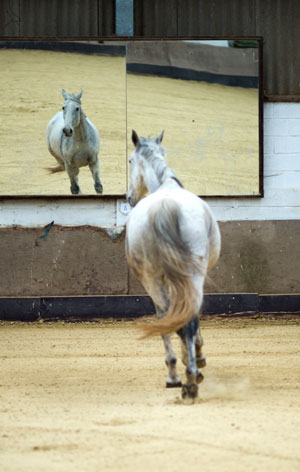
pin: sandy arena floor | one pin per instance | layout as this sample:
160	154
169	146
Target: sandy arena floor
91	397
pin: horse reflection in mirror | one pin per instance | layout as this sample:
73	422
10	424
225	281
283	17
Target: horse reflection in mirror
74	142
172	240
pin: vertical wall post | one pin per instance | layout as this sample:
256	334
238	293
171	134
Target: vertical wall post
124	18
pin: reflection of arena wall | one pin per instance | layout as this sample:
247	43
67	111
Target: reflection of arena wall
67	46
191	61
174	59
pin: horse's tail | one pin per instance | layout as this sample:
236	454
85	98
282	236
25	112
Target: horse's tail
178	264
53	170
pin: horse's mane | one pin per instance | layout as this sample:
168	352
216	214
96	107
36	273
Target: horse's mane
177	181
154	154
73	97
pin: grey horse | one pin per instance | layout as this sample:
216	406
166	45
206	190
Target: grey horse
74	142
172	240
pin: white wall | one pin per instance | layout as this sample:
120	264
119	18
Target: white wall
281	187
281	171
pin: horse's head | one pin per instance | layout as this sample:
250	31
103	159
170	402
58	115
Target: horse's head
142	175
71	111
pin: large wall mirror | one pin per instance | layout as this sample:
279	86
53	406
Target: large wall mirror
205	94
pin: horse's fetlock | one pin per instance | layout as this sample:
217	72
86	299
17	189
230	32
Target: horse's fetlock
171	362
191	372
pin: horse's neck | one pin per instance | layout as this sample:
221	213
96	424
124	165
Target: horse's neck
151	180
154	180
82	128
168	174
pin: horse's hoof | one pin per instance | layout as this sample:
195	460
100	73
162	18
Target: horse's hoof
75	190
189	391
199	378
173	384
99	189
201	362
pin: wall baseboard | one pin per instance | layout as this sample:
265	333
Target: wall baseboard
130	307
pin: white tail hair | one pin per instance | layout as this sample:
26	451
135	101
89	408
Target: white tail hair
179	265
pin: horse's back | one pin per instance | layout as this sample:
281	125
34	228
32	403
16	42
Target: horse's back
95	136
193	209
54	133
196	221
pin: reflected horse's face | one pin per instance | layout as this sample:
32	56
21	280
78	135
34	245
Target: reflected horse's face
137	189
71	112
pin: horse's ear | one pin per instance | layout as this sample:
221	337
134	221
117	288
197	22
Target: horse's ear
64	94
79	95
135	138
160	137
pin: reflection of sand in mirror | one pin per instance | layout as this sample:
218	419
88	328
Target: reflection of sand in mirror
211	131
31	84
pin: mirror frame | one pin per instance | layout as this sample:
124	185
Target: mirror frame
87	43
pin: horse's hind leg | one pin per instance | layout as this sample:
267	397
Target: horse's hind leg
200	357
173	379
95	170
159	294
59	159
188	335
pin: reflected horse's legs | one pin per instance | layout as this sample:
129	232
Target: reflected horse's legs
95	170
73	176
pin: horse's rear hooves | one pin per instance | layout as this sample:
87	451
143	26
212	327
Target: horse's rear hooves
199	378
173	384
189	391
201	362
